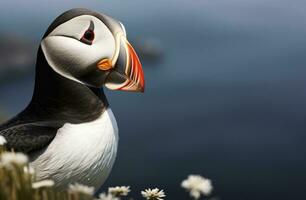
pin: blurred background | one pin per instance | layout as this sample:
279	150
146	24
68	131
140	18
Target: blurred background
225	91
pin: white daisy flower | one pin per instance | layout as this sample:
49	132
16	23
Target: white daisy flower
79	188
153	194
9	158
197	185
2	140
119	190
43	183
104	196
29	170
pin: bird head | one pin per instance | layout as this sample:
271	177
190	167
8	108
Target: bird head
92	48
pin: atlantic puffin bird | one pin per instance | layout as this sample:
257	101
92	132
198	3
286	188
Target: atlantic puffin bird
68	128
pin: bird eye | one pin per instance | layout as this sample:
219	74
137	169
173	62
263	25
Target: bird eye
88	37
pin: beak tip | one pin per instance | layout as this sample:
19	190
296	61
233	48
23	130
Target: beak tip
142	86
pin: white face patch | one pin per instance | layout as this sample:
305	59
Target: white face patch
69	56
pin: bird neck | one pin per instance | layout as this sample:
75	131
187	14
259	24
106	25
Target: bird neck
58	98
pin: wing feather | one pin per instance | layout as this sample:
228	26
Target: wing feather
27	137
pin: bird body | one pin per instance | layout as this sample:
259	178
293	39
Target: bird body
68	128
82	153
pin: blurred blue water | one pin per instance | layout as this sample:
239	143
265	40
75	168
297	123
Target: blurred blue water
228	100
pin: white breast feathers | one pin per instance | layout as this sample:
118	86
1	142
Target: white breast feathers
82	153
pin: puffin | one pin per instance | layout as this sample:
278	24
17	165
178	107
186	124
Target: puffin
68	128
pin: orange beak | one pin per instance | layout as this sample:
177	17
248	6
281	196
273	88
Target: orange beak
126	71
